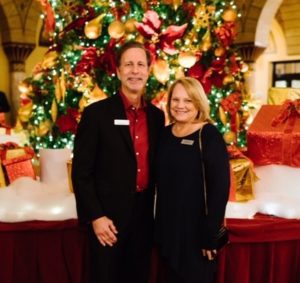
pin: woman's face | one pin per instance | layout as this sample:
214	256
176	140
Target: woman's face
182	107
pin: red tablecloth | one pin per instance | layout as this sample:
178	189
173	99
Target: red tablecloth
43	252
262	250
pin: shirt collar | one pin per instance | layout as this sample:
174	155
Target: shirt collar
127	103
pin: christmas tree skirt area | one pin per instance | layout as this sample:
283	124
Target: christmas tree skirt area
277	192
26	199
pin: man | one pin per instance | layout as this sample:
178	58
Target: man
113	173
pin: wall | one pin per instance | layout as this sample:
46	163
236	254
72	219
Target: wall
262	69
4	70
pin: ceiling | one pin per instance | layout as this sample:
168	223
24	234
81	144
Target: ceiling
19	21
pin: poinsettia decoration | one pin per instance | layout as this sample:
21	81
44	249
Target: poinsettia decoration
68	122
150	28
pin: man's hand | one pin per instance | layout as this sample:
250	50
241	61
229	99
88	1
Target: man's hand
210	254
105	231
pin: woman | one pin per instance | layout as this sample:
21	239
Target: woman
185	235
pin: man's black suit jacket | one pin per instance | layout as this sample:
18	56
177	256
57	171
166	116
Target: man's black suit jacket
104	163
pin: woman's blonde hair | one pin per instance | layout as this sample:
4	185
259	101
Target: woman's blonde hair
196	93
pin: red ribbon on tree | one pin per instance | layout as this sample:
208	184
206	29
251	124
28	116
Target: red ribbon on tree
50	19
232	104
226	33
208	77
88	60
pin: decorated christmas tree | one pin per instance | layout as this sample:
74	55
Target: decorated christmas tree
186	38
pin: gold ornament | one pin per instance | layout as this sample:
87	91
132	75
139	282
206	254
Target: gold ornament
237	120
202	16
43	128
93	29
24	112
174	3
206	43
229	15
140	39
57	91
222	115
96	95
161	70
60	88
50	59
143	4
63	86
18	126
53	110
187	59
179	73
244	68
116	29
85	82
82	103
229	137
228	79
130	26
219	51
24	87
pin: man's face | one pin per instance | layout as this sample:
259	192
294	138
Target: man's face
133	71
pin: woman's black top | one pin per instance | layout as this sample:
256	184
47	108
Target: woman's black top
182	229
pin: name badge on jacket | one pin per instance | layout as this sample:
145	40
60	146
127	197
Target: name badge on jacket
187	142
121	122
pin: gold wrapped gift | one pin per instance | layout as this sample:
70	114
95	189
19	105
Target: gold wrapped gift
278	95
242	175
2	177
69	166
243	179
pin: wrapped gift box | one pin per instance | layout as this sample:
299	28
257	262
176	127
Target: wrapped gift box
16	161
278	95
69	167
19	167
242	176
274	135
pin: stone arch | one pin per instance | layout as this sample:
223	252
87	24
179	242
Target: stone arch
19	20
265	21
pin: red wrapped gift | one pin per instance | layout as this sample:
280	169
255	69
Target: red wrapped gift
274	135
17	161
19	167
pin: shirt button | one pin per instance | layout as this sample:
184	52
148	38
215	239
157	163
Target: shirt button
139	170
136	137
137	153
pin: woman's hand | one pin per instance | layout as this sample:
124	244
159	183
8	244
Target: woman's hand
210	254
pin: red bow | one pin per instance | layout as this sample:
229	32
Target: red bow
288	109
226	33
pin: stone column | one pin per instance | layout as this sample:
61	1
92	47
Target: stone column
250	53
16	53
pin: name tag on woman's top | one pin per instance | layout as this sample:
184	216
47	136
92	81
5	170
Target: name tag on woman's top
187	142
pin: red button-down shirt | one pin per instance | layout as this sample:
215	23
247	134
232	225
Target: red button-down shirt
139	133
